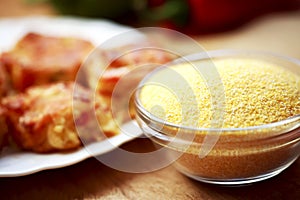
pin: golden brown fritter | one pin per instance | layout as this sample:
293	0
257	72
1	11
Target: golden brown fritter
43	121
4	90
3	128
127	65
135	63
38	59
5	87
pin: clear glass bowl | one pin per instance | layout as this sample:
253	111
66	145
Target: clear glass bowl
240	155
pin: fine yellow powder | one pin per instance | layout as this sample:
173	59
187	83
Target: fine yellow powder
239	93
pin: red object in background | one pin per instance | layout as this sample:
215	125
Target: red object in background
216	15
202	16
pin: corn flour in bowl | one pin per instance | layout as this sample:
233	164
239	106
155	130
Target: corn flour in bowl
226	117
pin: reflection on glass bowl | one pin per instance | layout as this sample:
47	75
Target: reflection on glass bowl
246	150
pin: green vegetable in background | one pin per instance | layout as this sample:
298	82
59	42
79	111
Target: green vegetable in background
111	9
94	8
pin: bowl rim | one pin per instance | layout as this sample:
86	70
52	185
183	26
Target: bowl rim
210	55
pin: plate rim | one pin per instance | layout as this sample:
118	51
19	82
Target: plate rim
82	152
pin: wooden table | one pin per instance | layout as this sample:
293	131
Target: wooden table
91	179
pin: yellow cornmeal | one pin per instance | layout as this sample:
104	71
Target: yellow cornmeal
256	93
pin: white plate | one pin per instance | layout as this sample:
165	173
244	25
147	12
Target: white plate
18	163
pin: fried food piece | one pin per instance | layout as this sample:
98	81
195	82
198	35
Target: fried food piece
4	90
3	128
138	62
38	59
42	117
116	73
5	87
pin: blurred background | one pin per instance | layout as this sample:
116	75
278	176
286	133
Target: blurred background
269	25
188	16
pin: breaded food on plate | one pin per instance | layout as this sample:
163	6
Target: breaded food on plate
4	90
42	118
135	63
124	67
3	128
5	87
37	59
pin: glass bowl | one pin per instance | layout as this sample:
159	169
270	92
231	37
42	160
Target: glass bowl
225	156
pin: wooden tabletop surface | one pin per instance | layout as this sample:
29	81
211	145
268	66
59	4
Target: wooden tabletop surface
91	179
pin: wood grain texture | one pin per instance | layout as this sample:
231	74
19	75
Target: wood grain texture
92	180
277	33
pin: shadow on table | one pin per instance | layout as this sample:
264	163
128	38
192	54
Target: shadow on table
92	179
283	186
